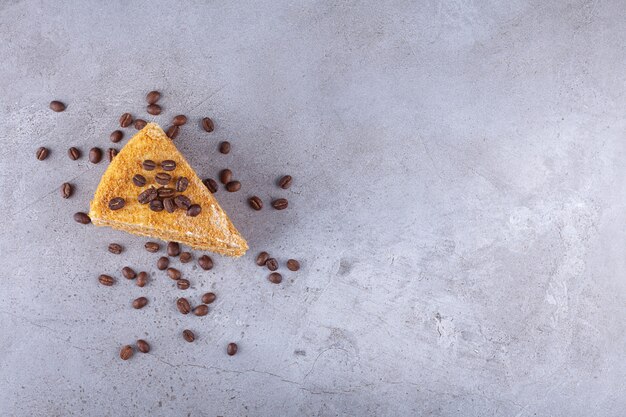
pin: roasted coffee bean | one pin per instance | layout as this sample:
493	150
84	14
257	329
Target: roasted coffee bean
205	262
140	124
201	310
66	190
181	184
162	178
111	153
117	203
194	210
293	265
153	109
182	201
211	184
182	284
233	186
275	278
165	192
208	298
285	182
116	136
188	335
115	248
163	263
173	273
82	218
126	120
156	205
143	346
180	120
168	165
172	132
207	124
149	165
152	97
185	257
225	147
106	280
271	264
280	204
142	279
169	205
262	258
139	180
147	195
73	153
183	306
42	153
226	175
126	353
95	155
140	302
231	349
173	249
128	272
152	247
57	106
255	202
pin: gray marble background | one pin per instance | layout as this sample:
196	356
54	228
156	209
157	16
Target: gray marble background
458	208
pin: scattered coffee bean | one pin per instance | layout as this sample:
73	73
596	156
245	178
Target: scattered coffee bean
117	203
280	204
194	210
262	258
208	298
116	136
188	335
233	186
95	155
106	280
285	182
152	97
201	310
211	184
153	109
173	273
169	205
168	165
73	153
142	279
207	124
128	272
205	262
143	346
173	249
149	165
140	124
147	195
139	180
42	153
156	205
180	120
115	248
226	175
111	153
126	120
66	190
231	349
172	132
140	302
182	202
152	247
225	147
185	257
82	218
272	264
165	192
181	184
293	265
255	202
162	178
57	106
275	278
183	305
183	284
126	353
163	263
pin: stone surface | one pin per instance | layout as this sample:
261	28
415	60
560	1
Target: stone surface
457	208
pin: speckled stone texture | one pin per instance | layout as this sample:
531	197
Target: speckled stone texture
458	208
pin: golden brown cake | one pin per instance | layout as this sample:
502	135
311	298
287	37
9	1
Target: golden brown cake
210	230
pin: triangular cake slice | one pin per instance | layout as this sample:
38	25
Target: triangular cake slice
210	229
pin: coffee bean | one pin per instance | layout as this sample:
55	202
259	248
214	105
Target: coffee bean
185	257
169	205
210	184
57	106
181	184
180	120
255	202
140	124
225	147
163	263
128	272
143	346
188	335
231	349
152	97
173	248
172	132
66	190
207	124
42	153
126	353
226	175
280	204
233	186
147	195
182	202
152	247
275	278
285	182
201	310
139	180
126	120
140	302
182	284
162	178
111	153
271	264
173	273
262	258
117	203
208	298
205	262
95	155
153	109
73	153
165	192
82	218
156	205
115	248
194	210
183	305
149	165
106	280
293	265
142	279
116	136
168	165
